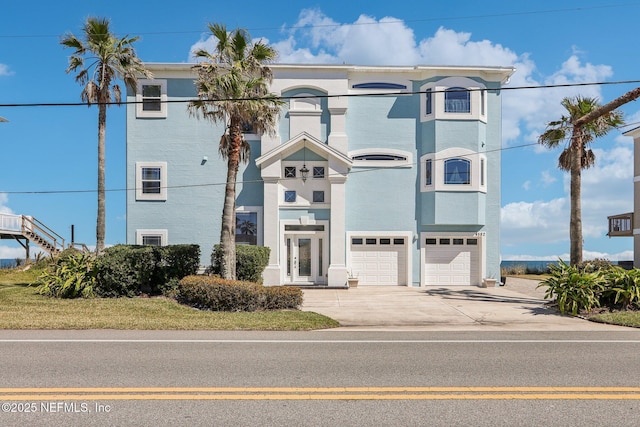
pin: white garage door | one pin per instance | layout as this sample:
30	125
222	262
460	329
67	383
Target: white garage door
451	261
379	260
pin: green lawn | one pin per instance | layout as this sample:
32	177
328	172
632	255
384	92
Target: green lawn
22	308
622	318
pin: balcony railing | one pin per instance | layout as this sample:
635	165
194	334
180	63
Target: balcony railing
621	225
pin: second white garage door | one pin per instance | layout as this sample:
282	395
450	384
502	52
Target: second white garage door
451	261
379	260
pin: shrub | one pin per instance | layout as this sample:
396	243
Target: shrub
574	290
71	275
250	261
282	297
595	265
128	270
176	262
217	294
623	287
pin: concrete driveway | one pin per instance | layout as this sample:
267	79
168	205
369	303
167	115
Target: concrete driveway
514	307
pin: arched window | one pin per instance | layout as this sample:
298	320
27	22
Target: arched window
457	171
457	100
383	157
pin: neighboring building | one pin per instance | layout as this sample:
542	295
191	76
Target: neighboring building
623	225
403	184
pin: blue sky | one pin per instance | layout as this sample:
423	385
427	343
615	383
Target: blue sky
48	154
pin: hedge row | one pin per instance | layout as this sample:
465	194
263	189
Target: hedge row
217	294
127	270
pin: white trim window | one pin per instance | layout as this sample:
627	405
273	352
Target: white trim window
151	181
249	225
151	99
454	169
381	158
453	98
152	237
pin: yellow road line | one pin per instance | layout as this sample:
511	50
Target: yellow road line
319	393
472	389
498	396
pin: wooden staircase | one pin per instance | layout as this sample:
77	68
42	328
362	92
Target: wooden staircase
29	229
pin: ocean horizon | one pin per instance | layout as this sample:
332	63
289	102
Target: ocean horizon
7	263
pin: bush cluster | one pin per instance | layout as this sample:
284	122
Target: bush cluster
127	270
217	294
71	275
121	271
250	262
592	285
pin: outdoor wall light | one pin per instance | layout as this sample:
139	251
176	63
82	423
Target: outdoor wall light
2	119
204	160
304	172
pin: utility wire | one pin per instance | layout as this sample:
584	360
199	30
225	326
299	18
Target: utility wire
348	95
361	169
386	22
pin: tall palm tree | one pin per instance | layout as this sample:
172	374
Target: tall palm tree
233	88
100	58
577	154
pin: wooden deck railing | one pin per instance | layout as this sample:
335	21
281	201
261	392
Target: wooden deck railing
32	229
621	225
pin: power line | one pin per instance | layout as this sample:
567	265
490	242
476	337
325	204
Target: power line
361	169
348	95
387	22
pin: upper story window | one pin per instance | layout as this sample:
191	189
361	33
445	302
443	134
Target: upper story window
151	181
318	172
457	100
453	98
379	85
151	97
454	169
382	157
457	171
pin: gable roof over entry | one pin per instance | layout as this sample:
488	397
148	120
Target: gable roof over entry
302	141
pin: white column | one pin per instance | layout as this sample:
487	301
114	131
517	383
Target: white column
338	136
337	274
272	274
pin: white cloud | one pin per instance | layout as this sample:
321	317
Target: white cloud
535	222
7	252
526	185
606	190
4	199
547	178
5	71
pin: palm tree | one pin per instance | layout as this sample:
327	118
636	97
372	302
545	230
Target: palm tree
233	88
578	155
100	58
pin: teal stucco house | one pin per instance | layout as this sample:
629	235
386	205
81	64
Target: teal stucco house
390	174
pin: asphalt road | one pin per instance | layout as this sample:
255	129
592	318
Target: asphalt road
328	378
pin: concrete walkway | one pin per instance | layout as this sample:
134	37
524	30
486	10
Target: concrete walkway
515	307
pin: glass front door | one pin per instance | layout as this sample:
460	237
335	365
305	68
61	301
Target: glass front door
304	259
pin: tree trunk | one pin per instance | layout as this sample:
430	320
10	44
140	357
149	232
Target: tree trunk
607	108
100	224
228	231
575	224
